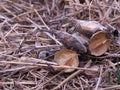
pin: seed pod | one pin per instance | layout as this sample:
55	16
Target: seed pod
86	28
68	58
98	39
99	43
69	41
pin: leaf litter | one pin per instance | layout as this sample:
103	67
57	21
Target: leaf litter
32	32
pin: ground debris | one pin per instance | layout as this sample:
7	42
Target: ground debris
27	48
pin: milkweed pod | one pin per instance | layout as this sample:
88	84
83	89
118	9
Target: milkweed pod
66	57
99	43
87	28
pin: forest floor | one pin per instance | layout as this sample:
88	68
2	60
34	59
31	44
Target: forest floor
27	51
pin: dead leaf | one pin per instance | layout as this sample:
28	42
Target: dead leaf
68	58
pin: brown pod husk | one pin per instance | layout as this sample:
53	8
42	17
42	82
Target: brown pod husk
98	39
81	38
69	41
86	28
99	43
66	57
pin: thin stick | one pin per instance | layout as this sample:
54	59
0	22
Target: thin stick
54	65
44	84
71	76
46	27
26	58
114	19
45	32
12	28
16	69
1	33
90	10
41	19
7	10
17	82
112	87
111	64
99	79
110	56
106	15
25	13
81	85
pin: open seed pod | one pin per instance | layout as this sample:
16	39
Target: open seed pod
91	25
86	28
67	58
99	43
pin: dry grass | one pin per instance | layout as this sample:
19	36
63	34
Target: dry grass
26	52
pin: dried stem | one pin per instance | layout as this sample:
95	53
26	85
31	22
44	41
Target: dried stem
71	76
